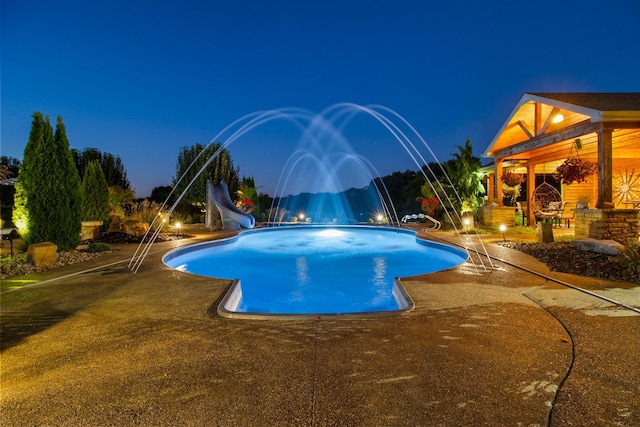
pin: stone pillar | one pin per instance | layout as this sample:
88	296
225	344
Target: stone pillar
620	225
544	232
496	215
588	223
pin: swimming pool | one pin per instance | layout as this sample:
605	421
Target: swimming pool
315	270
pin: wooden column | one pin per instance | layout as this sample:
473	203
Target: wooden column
499	181
491	188
531	186
605	169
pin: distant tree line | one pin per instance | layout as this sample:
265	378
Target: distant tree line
111	165
402	191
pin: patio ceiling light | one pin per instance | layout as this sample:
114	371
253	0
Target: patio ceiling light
558	118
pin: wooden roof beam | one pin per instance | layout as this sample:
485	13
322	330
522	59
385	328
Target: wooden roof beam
574	131
553	112
537	115
523	126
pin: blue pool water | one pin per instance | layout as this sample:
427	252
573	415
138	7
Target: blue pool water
316	269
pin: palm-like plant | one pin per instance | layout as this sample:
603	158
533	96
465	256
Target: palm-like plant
248	190
466	177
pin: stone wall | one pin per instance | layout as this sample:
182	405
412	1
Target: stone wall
620	225
496	215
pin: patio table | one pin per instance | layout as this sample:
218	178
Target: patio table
635	204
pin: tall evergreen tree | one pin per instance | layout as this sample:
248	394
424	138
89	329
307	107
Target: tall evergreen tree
220	169
39	135
68	180
95	193
48	199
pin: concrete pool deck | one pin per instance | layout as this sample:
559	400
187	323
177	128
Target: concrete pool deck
93	344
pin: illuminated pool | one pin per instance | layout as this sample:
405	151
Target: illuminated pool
315	270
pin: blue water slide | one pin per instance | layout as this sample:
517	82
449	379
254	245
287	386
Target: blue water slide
232	217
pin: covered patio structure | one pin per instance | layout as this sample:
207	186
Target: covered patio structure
545	129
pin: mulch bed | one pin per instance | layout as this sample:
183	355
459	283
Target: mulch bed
566	258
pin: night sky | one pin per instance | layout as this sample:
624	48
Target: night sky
140	79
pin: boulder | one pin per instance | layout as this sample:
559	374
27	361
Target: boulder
90	230
131	227
607	247
42	253
134	228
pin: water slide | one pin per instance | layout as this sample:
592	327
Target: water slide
232	217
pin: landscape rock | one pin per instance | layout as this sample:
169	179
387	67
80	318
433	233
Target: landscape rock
607	247
40	254
131	227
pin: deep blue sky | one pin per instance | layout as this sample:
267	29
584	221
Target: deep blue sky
140	79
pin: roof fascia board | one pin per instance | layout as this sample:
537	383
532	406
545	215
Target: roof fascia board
523	100
619	116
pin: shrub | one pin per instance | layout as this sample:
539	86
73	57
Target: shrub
630	256
98	247
95	193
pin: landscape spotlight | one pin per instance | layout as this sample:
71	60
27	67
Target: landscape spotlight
178	225
503	229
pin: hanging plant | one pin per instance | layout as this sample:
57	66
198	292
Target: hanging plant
575	170
512	179
512	192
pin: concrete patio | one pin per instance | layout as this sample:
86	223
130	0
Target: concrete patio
93	344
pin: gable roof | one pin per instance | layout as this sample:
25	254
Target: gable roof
531	117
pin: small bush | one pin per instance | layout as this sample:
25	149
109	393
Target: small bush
630	256
98	247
